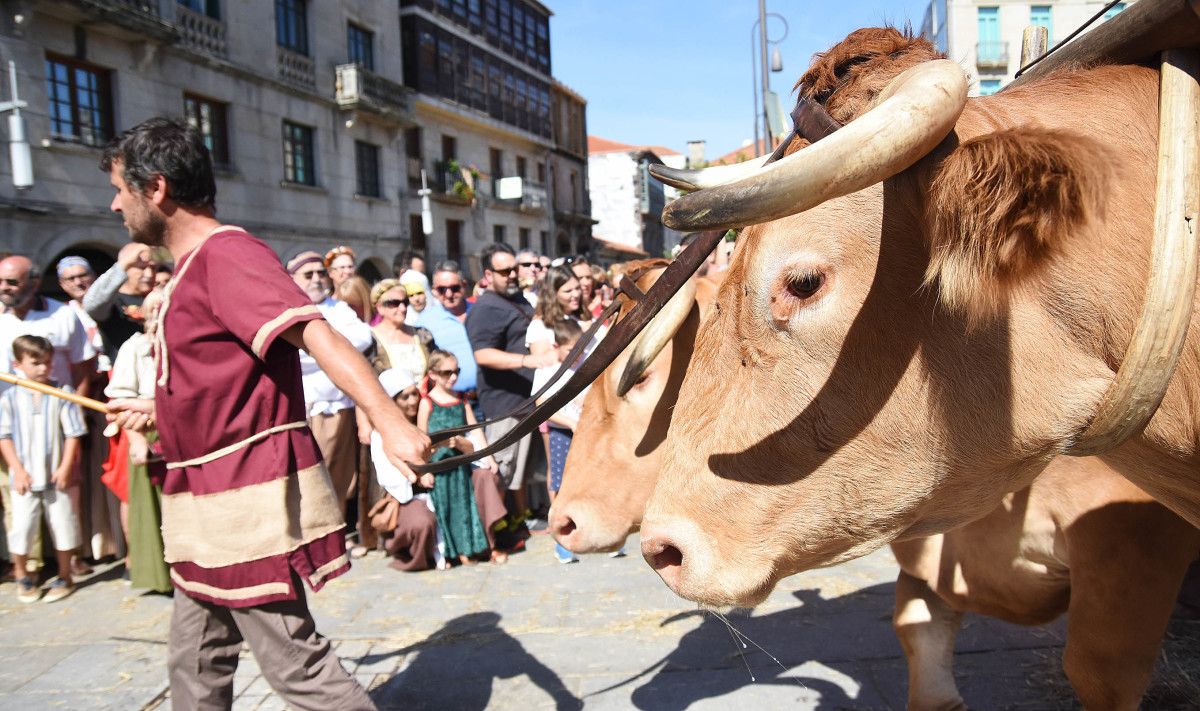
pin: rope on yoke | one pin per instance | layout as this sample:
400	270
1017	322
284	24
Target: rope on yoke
645	307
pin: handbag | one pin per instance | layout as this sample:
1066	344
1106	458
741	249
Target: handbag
385	514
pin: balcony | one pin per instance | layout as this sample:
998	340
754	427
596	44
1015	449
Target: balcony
358	89
200	32
140	17
452	181
522	193
991	55
295	68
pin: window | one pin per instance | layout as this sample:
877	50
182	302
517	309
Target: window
522	166
366	167
523	237
449	148
209	116
360	46
541	173
987	87
990	48
298	154
209	8
498	233
416	232
80	98
496	163
1114	11
1039	16
454	230
291	25
544	238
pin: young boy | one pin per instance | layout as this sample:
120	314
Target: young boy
562	423
40	439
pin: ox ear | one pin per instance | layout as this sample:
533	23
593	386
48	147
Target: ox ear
1002	205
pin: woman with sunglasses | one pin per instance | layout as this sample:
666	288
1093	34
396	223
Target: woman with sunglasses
399	345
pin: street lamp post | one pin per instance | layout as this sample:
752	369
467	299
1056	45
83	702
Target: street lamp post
18	144
758	63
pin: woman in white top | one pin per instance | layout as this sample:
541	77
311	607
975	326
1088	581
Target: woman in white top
403	346
559	297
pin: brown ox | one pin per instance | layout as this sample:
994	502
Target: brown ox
890	363
1071	542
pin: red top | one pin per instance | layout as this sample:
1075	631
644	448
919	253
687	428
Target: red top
246	499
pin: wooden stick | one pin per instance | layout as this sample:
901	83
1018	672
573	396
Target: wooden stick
55	392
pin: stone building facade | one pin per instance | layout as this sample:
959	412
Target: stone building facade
319	115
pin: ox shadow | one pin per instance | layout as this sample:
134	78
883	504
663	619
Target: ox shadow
454	668
837	653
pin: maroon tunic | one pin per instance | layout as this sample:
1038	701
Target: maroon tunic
246	499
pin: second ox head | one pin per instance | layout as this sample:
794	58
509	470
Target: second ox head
897	343
615	455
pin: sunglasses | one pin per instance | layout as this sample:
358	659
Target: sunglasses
314	273
393	303
445	373
504	272
10	282
563	261
527	264
452	289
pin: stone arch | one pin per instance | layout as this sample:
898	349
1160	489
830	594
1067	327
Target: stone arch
100	255
373	269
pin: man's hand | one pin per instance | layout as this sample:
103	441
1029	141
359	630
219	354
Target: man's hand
403	443
134	255
541	360
426	480
21	481
135	414
61	478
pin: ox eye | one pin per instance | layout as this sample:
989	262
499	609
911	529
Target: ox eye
805	285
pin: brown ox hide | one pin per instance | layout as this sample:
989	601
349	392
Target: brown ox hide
890	364
614	456
1080	539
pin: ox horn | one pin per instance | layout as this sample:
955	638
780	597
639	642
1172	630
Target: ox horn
912	115
706	177
657	335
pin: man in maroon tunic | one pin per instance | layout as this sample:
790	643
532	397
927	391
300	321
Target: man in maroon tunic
249	513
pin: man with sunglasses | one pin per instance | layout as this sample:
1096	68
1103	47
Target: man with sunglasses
330	411
528	275
496	326
450	291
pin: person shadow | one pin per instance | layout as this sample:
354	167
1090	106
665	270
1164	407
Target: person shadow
454	668
788	647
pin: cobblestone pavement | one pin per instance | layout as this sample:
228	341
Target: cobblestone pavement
603	633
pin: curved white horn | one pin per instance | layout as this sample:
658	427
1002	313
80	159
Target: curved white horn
709	177
657	335
916	111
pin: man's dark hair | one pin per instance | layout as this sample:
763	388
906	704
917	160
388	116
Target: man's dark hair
35	346
170	148
447	265
403	260
566	330
485	256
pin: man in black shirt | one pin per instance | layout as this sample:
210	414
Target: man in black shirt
115	299
496	326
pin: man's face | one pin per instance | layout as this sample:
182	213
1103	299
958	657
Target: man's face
161	278
448	287
16	288
75	281
503	275
144	223
139	277
527	267
313	278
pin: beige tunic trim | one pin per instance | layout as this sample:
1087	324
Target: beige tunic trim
328	569
232	593
230	449
250	523
260	338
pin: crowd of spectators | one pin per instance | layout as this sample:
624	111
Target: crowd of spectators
449	351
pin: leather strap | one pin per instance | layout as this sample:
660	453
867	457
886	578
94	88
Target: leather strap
810	121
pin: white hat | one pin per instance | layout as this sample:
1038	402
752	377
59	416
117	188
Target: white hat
396	381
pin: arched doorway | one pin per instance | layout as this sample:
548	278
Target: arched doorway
100	256
372	269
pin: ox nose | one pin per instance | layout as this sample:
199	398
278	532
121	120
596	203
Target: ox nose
562	526
663	555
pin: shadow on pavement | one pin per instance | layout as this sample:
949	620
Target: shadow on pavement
455	666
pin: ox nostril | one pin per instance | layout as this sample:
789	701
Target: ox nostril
566	528
668	557
561	524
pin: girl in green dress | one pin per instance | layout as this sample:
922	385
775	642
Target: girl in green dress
461	530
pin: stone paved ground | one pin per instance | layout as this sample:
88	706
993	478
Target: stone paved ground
603	634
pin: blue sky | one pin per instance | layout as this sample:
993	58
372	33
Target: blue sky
663	72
